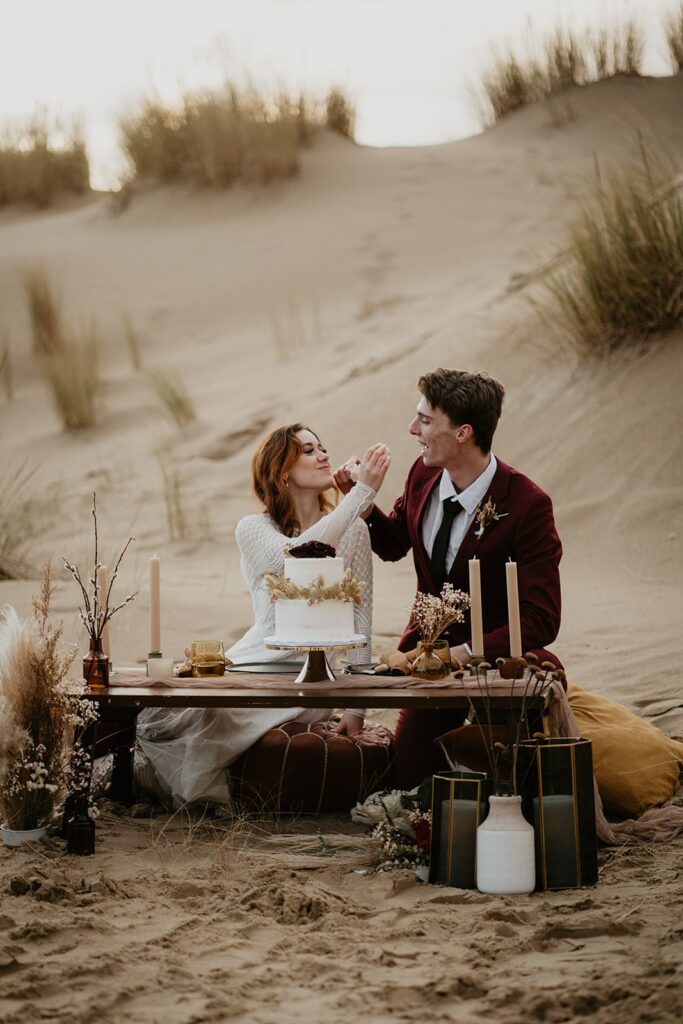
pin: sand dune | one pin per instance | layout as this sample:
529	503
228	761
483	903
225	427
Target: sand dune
376	265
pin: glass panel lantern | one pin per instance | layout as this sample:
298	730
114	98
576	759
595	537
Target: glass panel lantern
558	797
459	805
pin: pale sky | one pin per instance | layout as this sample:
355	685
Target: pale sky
408	65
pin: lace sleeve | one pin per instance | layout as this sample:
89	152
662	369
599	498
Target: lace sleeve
358	558
262	545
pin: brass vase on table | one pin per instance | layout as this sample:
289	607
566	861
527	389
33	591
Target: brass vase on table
96	666
432	660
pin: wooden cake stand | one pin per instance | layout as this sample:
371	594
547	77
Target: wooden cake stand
316	668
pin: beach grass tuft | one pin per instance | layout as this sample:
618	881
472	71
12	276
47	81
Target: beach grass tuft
42	160
173	395
132	342
17	521
176	517
45	312
623	285
340	115
72	375
562	60
216	138
6	371
673	29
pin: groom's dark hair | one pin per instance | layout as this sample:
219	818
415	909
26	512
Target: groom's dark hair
472	398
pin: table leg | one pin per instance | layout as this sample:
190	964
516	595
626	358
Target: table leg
121	788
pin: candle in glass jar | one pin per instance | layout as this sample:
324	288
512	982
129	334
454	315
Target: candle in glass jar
476	621
154	604
457	843
513	610
103	585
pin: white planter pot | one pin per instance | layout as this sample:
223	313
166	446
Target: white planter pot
506	863
17	837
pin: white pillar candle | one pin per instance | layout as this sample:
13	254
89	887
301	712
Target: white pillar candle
556	832
103	584
476	621
457	843
154	604
513	610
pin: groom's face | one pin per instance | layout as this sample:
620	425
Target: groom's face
433	430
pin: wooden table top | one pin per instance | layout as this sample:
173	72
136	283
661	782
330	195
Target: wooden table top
309	695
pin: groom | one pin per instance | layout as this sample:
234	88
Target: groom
439	516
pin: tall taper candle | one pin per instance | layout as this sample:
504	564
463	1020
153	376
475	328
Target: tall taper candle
103	584
513	610
154	605
475	609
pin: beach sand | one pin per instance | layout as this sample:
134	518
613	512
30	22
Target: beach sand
375	265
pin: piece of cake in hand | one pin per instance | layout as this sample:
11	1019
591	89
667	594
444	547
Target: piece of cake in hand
314	596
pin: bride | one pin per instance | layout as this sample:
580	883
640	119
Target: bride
186	751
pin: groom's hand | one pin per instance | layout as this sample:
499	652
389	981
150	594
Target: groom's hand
345	477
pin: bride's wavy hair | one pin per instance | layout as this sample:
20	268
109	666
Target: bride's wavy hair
270	465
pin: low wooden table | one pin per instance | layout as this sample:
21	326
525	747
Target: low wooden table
119	707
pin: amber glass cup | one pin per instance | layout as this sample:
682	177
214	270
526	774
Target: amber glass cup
207	658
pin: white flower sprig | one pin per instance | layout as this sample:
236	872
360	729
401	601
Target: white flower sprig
485	516
431	615
95	613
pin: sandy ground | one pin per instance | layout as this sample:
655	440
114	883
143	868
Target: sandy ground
375	265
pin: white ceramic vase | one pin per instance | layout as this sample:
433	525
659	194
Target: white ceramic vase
17	837
506	861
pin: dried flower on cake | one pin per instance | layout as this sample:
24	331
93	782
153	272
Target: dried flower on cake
282	589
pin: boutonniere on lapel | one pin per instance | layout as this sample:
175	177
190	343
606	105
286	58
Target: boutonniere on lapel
485	516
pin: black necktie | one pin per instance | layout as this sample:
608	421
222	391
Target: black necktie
451	507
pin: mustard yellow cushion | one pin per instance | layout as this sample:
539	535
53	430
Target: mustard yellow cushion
635	764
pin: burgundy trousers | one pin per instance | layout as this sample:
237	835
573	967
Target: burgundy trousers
416	755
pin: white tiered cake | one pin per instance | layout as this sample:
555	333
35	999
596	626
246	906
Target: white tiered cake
296	619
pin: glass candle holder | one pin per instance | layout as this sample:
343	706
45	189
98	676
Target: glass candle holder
207	658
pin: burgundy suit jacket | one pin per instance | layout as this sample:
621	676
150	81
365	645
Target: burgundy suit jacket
526	534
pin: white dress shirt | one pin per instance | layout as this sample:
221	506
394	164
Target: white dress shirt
470	500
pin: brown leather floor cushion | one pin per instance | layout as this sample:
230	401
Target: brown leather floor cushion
309	769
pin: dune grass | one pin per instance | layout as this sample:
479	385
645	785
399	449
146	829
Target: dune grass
17	521
623	286
173	395
340	116
174	501
41	161
295	325
45	312
6	371
564	59
132	342
673	29
213	139
72	375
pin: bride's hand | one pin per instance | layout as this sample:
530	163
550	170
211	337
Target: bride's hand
345	477
374	466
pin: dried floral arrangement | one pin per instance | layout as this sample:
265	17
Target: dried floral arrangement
502	757
96	611
311	549
401	826
431	615
41	716
282	589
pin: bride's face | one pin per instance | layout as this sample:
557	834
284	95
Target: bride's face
311	471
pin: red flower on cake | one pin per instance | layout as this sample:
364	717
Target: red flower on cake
312	549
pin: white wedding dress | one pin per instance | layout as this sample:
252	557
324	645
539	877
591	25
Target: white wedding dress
183	754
